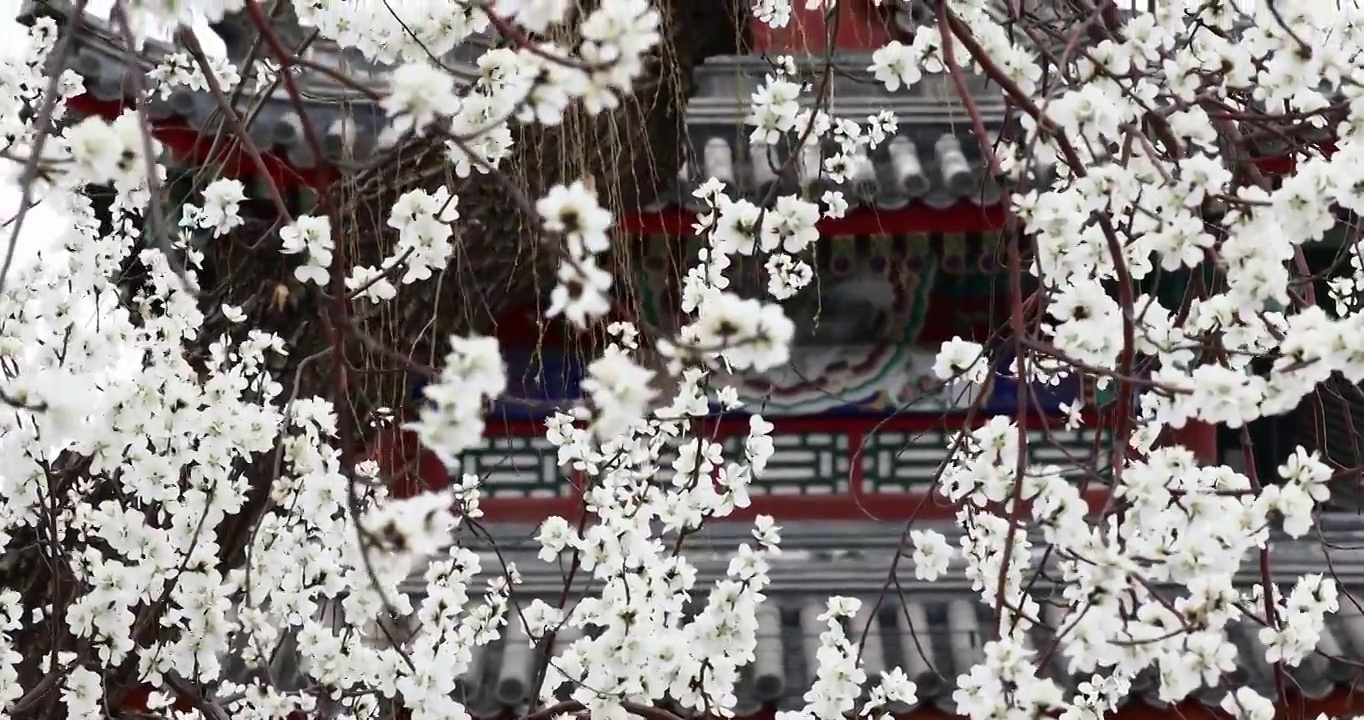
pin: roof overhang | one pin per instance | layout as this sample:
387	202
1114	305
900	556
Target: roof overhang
929	175
350	120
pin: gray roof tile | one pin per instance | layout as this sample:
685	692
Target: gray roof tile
351	121
933	636
939	168
933	159
933	631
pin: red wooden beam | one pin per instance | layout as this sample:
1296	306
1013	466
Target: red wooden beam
189	146
916	218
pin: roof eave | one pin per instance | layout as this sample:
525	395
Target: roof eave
350	120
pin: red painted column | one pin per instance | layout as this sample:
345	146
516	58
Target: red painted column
1200	438
861	26
409	468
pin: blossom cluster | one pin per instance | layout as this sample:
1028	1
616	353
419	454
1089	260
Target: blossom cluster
532	83
423	221
220	211
582	291
104	152
452	420
179	69
312	237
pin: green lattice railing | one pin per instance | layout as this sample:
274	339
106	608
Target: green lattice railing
812	457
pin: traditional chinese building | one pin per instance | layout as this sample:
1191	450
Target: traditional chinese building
861	424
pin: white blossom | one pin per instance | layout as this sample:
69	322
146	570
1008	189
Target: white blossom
143	441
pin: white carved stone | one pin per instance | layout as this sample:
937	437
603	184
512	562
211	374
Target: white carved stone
718	159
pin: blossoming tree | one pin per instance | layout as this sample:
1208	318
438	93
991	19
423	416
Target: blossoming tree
140	428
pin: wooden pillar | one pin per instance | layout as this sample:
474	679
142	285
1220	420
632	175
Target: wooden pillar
862	27
1200	438
408	467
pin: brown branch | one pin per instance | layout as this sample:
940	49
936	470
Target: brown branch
185	36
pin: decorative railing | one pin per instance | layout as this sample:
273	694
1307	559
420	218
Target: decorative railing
876	448
821	467
812	456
